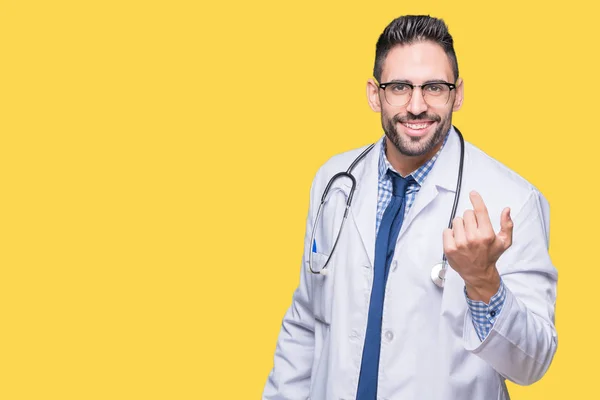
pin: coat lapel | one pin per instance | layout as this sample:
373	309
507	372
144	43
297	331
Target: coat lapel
364	205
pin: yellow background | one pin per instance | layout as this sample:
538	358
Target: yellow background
156	158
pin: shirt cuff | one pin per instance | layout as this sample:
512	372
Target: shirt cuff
485	315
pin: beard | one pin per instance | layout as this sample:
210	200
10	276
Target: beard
410	146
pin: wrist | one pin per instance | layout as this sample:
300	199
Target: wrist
483	288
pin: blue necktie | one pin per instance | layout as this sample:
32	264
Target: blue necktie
385	244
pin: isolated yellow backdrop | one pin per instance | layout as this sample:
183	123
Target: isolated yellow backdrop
156	158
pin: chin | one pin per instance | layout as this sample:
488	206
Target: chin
415	146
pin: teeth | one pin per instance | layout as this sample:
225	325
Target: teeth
417	126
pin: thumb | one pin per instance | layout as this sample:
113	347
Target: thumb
506	228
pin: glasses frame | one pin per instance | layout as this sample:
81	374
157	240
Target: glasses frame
451	86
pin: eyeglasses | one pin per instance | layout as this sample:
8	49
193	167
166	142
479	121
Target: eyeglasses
435	94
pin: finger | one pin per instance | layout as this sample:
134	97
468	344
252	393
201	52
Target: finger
470	225
458	230
448	240
506	228
481	214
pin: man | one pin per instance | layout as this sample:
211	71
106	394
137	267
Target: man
375	326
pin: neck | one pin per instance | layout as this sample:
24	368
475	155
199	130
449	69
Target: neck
407	164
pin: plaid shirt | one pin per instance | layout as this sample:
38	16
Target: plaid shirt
483	315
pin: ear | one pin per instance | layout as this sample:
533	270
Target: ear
373	95
458	100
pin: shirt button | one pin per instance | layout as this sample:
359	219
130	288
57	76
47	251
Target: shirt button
353	335
389	335
493	313
394	265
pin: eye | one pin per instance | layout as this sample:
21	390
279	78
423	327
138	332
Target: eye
399	88
434	88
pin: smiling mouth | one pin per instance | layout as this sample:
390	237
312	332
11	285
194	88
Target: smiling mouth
417	126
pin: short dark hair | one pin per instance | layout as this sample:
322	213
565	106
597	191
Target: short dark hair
409	29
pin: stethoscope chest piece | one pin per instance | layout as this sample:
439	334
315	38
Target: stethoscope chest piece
438	274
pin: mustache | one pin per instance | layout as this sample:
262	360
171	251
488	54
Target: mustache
411	117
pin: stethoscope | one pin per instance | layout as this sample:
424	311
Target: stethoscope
438	272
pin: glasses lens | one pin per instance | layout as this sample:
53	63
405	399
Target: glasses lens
397	94
436	94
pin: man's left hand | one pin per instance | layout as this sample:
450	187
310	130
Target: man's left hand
472	248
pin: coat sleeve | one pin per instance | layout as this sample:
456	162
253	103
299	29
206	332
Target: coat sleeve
523	340
291	374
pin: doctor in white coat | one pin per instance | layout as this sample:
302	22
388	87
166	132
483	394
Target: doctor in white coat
345	336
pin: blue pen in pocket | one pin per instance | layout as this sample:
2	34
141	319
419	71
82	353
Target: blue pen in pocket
314	248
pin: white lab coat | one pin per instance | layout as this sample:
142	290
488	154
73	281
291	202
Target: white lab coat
429	347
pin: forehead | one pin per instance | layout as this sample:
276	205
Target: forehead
417	62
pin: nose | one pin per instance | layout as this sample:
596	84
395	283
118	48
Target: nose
417	104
